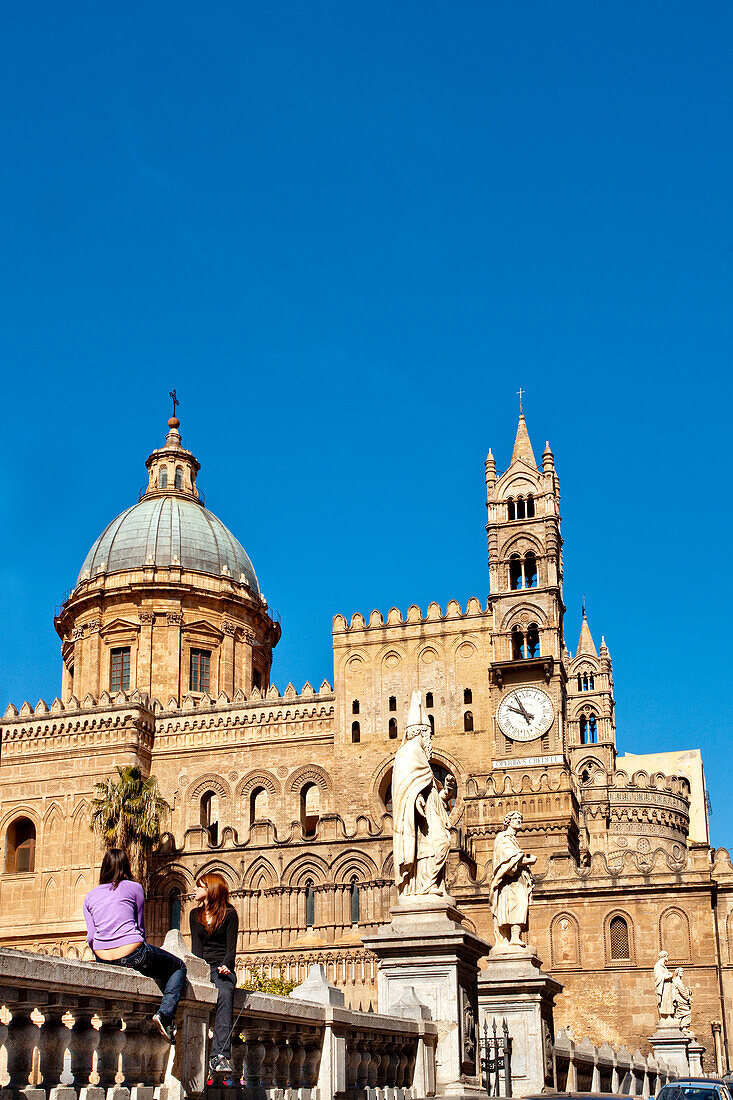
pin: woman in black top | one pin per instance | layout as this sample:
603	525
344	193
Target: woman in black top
214	928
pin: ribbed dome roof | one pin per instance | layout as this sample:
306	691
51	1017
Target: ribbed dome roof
161	529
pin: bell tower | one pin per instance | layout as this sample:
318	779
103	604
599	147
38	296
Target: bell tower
525	575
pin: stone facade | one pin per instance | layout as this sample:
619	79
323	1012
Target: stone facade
166	650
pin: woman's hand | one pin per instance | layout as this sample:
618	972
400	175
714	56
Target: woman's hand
225	970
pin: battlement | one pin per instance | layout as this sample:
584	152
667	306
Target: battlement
433	614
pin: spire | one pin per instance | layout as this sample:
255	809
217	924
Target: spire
586	644
522	445
171	468
490	468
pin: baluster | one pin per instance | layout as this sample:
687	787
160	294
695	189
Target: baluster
297	1063
394	1064
353	1060
83	1041
411	1055
111	1042
402	1071
362	1072
254	1056
237	1056
312	1059
52	1042
133	1058
374	1064
282	1066
21	1040
271	1056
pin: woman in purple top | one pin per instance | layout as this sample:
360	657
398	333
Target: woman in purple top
114	913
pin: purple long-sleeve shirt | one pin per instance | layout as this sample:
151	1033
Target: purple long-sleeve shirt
115	916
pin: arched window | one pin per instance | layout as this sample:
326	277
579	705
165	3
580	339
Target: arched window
310	904
515	573
179	478
355	902
258	805
20	846
431	720
385	791
580	682
510	509
174	907
393	702
355	733
392	728
533	641
310	808
530	507
429	699
520	508
163	478
530	570
618	937
517	644
209	815
591	682
468	722
355	706
592	730
467	696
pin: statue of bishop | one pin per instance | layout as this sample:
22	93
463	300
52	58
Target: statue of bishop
421	836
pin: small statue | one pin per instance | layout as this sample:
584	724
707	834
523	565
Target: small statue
421	836
682	1000
663	987
511	886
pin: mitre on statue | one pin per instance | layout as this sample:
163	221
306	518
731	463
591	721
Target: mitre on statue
416	715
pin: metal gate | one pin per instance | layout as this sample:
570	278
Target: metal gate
496	1058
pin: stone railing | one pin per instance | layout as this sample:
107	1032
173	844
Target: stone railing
583	1067
72	1030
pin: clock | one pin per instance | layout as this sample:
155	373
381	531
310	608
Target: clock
525	713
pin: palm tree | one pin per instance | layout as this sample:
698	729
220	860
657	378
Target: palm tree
128	812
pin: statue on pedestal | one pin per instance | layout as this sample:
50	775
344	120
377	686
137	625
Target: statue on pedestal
421	836
511	886
663	985
682	1000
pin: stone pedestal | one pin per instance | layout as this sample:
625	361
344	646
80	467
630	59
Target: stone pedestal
514	987
695	1052
672	1044
428	948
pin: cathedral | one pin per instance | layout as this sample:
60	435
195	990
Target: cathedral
166	655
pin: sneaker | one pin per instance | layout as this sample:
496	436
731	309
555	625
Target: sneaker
221	1064
165	1027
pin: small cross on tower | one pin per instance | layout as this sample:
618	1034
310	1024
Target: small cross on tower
172	393
520	391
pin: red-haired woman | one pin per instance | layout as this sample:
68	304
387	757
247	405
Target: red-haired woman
214	928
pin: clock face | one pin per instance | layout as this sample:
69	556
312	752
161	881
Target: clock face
525	713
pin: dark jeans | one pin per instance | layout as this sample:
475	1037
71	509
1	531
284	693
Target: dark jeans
167	970
225	986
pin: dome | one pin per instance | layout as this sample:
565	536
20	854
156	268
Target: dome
169	530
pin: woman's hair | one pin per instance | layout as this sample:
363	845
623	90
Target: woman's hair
213	911
115	867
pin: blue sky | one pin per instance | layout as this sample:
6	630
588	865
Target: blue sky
347	234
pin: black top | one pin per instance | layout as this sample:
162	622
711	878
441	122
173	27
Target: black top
218	947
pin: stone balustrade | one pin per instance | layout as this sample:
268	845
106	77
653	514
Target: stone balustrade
72	1030
583	1067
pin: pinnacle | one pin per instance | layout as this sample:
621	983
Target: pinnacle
522	445
586	644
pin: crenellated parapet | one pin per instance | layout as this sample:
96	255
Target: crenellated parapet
414	615
109	722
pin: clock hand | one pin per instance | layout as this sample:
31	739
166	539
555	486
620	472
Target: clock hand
524	713
522	707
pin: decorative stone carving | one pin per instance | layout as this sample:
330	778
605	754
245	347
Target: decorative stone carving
421	837
146	616
663	987
682	998
175	618
511	887
229	628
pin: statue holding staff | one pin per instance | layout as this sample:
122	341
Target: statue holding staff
421	836
511	886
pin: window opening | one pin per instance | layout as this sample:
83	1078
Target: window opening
618	934
517	644
431	720
393	728
385	791
510	510
530	570
208	815
310	808
429	699
20	846
533	641
256	678
355	733
174	908
258	805
520	508
393	702
200	669
516	581
163	484
119	669
467	696
310	904
179	478
468	722
355	901
355	706
530	507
